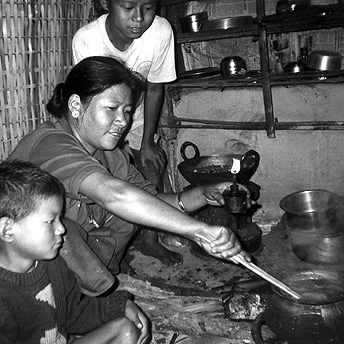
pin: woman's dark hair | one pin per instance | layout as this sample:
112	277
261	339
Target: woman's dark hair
92	76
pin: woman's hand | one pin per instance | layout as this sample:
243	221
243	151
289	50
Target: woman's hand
134	313
213	193
220	242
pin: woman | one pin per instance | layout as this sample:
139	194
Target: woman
106	194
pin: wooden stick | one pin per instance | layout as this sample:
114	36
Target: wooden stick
240	259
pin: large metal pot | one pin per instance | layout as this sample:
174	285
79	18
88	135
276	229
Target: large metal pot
324	60
315	225
316	318
200	170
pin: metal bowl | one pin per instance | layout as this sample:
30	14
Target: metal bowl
193	22
309	201
294	67
325	60
233	65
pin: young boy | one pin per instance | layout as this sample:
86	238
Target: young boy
133	32
40	300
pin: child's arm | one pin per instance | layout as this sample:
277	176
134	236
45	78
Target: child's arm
149	149
84	313
8	326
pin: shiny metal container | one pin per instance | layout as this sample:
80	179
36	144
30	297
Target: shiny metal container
315	226
294	67
193	22
233	65
325	60
226	23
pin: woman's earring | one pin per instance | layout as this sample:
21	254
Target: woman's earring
75	114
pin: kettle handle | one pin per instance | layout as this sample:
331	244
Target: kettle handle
187	144
250	160
256	329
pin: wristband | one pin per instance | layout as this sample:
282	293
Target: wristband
181	204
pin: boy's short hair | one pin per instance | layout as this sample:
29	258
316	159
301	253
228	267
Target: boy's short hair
21	185
98	8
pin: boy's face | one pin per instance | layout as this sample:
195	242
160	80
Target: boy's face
129	19
39	235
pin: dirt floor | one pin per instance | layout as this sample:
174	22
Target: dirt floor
202	275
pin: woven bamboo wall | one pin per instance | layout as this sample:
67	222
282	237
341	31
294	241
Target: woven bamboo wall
35	47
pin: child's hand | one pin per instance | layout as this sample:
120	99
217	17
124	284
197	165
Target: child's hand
134	313
155	154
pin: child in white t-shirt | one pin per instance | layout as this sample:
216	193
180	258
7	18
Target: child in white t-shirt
132	32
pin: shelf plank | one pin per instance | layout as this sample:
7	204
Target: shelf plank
272	24
191	123
234	32
172	2
278	24
304	19
256	81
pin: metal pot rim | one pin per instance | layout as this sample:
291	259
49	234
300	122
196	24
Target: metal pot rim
284	200
331	276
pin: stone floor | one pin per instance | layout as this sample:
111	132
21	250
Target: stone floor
204	274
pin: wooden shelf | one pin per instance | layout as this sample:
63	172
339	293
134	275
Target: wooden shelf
311	18
273	24
191	123
291	23
316	77
173	2
235	32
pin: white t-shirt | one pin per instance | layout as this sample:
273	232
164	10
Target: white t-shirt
151	55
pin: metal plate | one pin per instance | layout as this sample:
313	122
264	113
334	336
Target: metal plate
200	73
226	23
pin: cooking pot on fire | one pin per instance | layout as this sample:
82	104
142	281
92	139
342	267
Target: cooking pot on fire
206	169
316	318
315	225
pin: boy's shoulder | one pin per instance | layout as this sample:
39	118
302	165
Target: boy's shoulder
160	23
160	29
95	28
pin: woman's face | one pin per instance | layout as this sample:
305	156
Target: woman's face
103	121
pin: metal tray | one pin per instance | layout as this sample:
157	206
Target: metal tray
226	23
199	73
